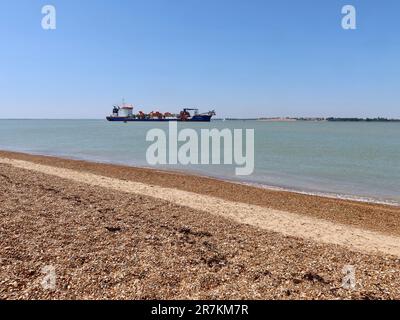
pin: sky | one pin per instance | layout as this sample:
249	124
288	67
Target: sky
243	58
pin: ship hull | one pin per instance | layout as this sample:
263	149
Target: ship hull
198	118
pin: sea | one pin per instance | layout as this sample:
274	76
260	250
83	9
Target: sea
350	160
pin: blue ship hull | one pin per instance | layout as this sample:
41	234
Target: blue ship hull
196	118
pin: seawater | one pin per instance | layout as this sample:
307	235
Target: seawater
357	160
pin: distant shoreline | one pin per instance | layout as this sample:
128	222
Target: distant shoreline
262	119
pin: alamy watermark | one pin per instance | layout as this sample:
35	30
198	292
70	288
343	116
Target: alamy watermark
349	21
49	20
48	281
196	147
349	279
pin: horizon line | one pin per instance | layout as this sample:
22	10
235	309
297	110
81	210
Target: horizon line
234	118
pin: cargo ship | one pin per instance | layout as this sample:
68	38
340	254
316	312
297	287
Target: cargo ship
124	113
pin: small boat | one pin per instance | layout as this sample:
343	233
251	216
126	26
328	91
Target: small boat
124	113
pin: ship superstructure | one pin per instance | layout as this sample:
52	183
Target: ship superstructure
124	113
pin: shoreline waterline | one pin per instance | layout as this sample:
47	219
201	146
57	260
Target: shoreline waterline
316	193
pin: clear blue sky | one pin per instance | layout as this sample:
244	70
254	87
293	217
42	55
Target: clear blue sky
242	57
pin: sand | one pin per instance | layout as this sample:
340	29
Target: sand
283	222
124	238
375	217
